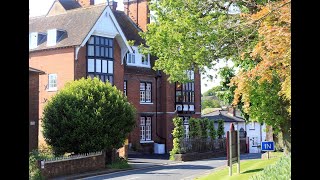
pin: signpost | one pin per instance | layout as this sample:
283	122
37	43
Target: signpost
233	149
267	146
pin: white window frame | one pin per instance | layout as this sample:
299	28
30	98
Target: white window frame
146	129
186	125
138	58
50	88
125	87
145	93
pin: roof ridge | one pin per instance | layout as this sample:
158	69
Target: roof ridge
78	9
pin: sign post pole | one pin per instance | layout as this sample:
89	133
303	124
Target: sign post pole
267	146
230	154
268	154
238	165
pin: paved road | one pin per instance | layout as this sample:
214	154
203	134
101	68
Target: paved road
171	170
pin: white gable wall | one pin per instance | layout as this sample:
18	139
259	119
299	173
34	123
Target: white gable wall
107	26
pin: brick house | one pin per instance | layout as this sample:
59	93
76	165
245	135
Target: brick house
82	39
33	107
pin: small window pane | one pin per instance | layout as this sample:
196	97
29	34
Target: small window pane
106	42
91	40
90	50
102	79
110	53
102	51
91	76
98	65
111	79
97	40
97	50
133	58
110	42
110	67
142	86
90	65
104	66
106	52
102	41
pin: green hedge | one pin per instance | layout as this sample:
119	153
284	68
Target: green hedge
281	170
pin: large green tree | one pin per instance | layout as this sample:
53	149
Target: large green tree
198	33
87	115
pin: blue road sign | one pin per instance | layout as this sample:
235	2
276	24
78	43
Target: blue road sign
267	146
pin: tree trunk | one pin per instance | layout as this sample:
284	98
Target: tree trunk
286	136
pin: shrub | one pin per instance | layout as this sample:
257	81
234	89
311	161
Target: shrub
281	170
220	131
34	157
194	127
204	127
212	131
177	134
119	163
87	115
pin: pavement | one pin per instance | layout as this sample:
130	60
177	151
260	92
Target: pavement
150	166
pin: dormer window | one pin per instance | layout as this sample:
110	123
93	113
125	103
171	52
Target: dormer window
137	59
131	58
35	39
54	36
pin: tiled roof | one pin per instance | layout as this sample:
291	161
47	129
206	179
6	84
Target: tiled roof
69	4
77	23
216	115
129	28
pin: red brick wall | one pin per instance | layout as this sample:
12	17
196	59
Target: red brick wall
143	11
33	109
73	166
80	65
57	61
118	70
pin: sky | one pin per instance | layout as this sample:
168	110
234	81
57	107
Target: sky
41	7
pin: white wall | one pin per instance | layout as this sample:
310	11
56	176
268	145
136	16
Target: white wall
253	133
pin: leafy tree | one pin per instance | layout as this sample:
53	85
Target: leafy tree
177	134
204	122
213	91
194	127
220	131
212	131
199	33
87	115
227	92
210	103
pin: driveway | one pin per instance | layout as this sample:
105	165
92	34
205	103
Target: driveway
158	167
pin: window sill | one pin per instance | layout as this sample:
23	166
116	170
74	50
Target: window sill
145	103
251	129
143	142
138	65
52	90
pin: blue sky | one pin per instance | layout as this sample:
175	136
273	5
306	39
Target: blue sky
41	7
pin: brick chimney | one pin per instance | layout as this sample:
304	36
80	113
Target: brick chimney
138	11
85	3
113	5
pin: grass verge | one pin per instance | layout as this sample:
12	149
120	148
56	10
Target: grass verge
119	164
248	168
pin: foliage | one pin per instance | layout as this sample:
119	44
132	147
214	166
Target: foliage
34	171
194	128
198	33
212	131
177	134
220	130
210	103
119	163
280	170
92	115
204	122
34	157
227	92
213	91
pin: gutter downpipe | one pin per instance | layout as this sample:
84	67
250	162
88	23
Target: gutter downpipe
165	140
